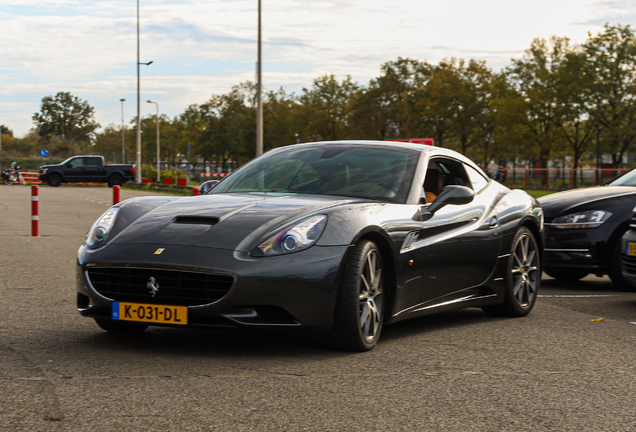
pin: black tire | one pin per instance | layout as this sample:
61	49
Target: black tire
121	327
360	304
616	269
54	180
523	277
566	276
115	180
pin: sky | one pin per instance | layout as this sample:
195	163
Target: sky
204	47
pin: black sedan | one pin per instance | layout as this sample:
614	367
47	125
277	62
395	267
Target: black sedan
329	238
583	230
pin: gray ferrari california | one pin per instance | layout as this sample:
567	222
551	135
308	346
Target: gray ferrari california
329	238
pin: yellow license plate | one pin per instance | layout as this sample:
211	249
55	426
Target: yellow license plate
140	312
631	248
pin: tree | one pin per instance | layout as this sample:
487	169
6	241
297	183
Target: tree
611	71
67	118
535	78
575	124
327	107
385	109
4	130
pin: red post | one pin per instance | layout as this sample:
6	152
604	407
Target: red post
116	194
35	211
195	191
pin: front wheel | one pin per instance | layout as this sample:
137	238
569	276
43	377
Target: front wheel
54	180
523	277
360	304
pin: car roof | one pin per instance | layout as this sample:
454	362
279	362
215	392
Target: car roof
412	146
423	148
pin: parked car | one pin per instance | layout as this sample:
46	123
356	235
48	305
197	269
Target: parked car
583	230
628	251
329	238
89	169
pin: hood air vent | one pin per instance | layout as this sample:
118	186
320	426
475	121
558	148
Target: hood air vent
196	220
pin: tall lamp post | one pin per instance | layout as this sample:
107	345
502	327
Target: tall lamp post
259	91
158	160
138	158
123	147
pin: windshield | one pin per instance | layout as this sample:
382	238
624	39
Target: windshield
627	179
379	173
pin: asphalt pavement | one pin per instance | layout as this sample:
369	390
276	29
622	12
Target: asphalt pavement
561	368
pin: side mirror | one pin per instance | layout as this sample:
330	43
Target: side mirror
452	194
208	186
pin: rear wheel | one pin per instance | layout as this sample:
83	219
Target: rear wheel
616	269
563	276
122	327
115	180
54	180
360	304
523	277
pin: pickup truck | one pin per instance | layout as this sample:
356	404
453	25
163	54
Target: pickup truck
89	169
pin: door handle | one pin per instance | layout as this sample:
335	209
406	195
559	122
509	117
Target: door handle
494	222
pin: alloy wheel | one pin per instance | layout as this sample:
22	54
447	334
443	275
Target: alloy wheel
371	300
525	271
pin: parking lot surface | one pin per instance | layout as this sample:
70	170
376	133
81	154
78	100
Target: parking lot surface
560	368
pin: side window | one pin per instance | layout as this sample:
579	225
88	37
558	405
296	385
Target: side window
478	181
442	172
453	171
94	162
77	162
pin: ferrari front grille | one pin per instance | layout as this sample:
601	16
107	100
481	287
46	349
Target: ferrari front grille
173	287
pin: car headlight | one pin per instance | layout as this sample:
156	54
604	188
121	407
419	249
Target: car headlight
586	219
293	239
98	233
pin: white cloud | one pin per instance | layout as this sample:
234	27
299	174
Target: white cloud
200	47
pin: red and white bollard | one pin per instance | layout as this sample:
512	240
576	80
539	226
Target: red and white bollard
116	194
35	211
195	191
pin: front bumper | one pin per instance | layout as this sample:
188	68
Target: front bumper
578	250
296	291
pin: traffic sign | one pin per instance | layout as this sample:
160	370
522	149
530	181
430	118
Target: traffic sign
43	153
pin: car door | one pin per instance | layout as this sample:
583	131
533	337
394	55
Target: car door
72	170
457	248
91	170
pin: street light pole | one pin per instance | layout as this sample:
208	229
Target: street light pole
259	91
123	147
138	158
598	133
138	148
158	160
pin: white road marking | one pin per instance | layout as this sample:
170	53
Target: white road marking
580	296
